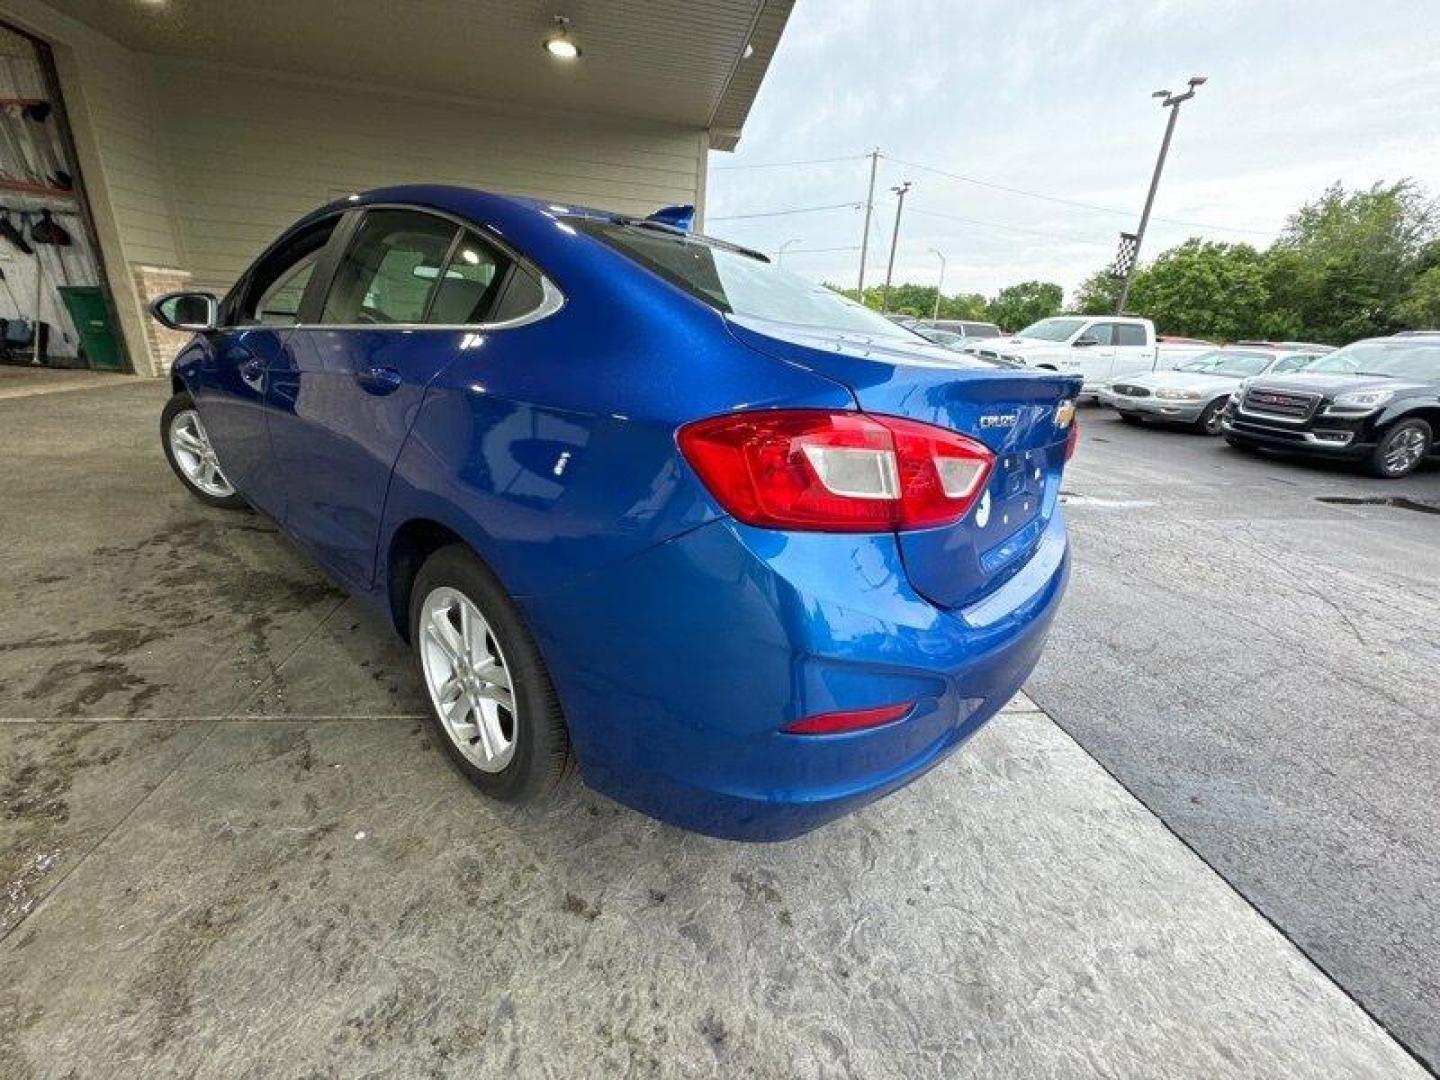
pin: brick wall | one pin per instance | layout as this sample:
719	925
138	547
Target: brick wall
163	344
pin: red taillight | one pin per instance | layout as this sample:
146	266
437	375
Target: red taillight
834	723
1072	440
836	471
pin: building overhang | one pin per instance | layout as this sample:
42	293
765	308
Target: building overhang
677	62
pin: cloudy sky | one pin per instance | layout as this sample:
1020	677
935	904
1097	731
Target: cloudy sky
1053	97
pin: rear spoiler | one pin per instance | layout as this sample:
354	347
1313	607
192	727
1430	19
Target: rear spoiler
680	217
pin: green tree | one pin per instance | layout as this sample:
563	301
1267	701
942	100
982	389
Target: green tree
1420	310
1017	306
1347	261
1205	289
964	306
1096	295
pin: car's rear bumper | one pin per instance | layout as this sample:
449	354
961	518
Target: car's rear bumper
678	670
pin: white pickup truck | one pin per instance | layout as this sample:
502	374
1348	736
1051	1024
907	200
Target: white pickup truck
1099	347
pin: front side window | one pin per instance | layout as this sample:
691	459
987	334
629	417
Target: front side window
279	305
271	293
393	263
1102	333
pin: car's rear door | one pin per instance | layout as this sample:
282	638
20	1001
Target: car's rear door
1133	350
403	287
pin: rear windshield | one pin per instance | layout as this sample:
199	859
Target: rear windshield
739	283
1402	358
981	329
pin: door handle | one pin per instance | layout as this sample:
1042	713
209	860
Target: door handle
379	380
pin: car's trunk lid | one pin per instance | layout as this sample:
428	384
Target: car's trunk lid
1013	412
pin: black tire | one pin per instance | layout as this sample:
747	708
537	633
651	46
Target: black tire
179	404
1209	421
1239	443
1407	430
1131	418
543	756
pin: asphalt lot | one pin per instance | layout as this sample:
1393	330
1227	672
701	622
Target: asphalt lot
1262	669
228	848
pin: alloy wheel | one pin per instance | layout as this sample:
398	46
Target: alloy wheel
468	679
1404	451
191	448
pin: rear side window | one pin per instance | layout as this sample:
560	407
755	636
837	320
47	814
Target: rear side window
523	294
390	269
471	283
1129	334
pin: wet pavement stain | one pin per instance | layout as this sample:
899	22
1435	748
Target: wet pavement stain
207	578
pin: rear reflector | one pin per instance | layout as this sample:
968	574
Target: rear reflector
835	723
827	471
1072	440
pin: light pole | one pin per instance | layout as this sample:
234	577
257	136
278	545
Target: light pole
940	286
901	190
780	256
865	233
1173	103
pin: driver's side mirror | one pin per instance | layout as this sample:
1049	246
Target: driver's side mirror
198	311
1084	342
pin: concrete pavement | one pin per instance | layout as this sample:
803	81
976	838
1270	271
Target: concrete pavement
227	847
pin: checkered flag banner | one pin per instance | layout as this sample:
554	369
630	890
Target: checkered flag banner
1124	257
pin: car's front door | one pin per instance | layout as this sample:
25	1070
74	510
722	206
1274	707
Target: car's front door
1094	352
254	335
405	284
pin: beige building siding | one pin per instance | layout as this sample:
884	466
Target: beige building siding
249	152
192	168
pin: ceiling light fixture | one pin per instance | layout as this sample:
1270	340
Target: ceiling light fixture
559	44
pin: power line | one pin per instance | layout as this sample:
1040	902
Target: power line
817	251
1011	228
1068	202
784	213
788	164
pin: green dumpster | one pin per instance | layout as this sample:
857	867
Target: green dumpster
86	304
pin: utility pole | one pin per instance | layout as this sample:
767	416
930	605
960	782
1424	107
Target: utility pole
865	236
1173	103
780	256
901	191
940	286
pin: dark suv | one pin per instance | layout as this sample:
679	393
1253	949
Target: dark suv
1376	401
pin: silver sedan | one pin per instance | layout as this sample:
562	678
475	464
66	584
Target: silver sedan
1195	392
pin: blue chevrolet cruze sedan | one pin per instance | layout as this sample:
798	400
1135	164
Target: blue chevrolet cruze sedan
745	552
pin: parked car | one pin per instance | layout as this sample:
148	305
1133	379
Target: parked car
1376	401
1197	391
966	329
1099	349
745	550
955	342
